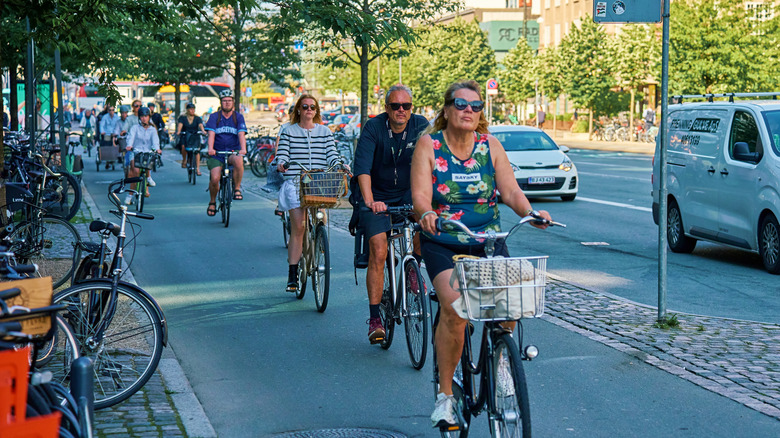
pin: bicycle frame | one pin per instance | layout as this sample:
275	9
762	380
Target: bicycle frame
405	236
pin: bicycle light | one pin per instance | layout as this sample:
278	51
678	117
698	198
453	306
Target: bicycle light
320	215
531	352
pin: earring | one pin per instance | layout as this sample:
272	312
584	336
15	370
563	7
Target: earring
299	112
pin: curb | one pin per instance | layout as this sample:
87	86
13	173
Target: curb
185	402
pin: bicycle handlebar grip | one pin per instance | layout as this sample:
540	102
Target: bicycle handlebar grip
286	165
440	225
25	269
10	326
143	216
10	293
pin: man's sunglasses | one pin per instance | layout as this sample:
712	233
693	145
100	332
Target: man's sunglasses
306	107
395	106
461	104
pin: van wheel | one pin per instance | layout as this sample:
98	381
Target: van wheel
675	236
568	198
769	244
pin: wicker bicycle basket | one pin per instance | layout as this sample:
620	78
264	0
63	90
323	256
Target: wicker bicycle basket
499	288
322	188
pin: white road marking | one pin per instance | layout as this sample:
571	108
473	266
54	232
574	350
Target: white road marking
615	204
630	178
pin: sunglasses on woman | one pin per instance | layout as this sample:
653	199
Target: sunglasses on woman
395	106
306	107
460	104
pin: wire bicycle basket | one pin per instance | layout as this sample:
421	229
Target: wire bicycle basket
499	288
319	188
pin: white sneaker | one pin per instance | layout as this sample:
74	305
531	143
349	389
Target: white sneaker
505	387
150	181
444	412
129	199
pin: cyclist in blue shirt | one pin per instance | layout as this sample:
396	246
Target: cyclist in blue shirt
227	132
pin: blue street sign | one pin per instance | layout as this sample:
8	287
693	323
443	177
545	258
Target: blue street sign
627	11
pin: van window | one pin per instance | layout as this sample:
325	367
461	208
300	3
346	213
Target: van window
772	120
744	129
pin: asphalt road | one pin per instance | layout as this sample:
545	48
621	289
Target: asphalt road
262	362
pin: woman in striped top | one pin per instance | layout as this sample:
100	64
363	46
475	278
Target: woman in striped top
310	143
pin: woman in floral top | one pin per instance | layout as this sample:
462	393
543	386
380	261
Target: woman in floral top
456	170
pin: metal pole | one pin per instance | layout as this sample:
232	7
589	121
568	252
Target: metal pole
29	90
663	191
61	100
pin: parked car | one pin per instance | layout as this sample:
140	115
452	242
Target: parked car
340	121
723	176
541	167
281	112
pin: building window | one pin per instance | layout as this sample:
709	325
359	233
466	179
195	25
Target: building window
557	2
759	11
547	4
513	3
546	36
557	34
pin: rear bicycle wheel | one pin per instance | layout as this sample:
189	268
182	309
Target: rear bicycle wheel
62	196
387	308
512	417
320	283
416	317
50	244
130	349
302	276
57	354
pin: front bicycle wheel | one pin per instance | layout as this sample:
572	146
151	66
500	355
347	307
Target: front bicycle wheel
302	275
62	196
510	393
387	308
416	317
285	228
128	352
190	167
58	353
228	199
320	279
139	206
50	244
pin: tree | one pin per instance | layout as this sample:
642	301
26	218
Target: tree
517	79
637	57
551	79
446	54
358	31
585	67
718	46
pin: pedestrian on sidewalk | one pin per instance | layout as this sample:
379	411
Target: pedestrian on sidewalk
649	117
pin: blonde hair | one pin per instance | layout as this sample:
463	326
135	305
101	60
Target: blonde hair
296	114
440	123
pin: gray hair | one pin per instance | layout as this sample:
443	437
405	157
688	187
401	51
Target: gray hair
397	87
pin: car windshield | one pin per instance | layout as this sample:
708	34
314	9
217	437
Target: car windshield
772	119
525	141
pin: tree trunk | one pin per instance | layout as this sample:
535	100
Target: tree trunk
363	84
590	124
631	115
176	101
555	119
14	97
238	60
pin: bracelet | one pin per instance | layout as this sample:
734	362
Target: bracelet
426	214
527	212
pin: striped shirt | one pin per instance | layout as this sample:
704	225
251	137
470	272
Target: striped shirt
314	148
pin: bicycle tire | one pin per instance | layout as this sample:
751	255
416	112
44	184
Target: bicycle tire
320	277
228	199
258	163
190	171
50	246
386	308
416	317
130	351
302	277
59	351
512	417
461	405
139	206
286	228
64	196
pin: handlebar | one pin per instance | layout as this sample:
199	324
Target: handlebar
534	216
286	165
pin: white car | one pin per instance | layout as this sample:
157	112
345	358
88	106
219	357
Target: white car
541	167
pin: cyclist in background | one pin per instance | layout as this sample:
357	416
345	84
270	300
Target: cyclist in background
88	125
187	129
227	132
141	138
383	160
132	119
456	169
108	126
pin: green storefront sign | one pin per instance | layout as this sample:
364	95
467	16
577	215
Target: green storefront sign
503	35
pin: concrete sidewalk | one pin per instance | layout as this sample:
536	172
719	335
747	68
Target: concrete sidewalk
736	359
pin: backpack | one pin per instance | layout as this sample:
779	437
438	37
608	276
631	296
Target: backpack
360	260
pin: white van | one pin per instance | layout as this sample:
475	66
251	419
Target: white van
723	175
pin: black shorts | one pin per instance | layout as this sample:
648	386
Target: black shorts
438	256
373	224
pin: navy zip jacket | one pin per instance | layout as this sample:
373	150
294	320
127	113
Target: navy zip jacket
387	157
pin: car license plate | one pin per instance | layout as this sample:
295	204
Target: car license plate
541	179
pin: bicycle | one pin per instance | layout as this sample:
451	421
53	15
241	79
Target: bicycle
317	189
193	148
226	187
117	324
284	217
72	160
403	293
144	161
494	290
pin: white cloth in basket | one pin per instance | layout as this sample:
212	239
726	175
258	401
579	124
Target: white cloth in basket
499	288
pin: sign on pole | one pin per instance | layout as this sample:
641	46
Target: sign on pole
492	87
248	92
627	11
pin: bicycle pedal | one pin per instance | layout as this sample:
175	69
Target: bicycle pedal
47	243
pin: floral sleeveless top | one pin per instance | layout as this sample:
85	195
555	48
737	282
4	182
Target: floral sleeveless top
464	190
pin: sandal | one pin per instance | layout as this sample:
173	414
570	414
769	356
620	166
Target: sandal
212	209
237	196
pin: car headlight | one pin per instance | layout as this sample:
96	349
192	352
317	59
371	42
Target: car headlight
566	165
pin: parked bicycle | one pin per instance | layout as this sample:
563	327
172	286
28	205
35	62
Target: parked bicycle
318	189
494	291
403	294
117	324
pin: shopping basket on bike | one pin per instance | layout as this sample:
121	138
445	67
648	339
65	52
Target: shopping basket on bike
500	288
320	188
144	160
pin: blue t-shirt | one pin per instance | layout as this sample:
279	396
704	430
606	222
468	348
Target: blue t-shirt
226	130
